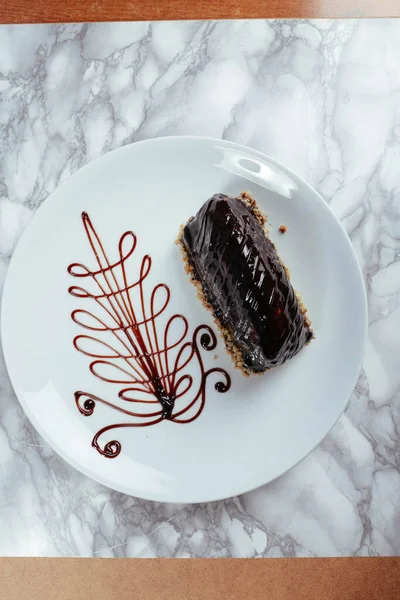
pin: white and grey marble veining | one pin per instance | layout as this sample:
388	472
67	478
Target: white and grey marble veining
323	97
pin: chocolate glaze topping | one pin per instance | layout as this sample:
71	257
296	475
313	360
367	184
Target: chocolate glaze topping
245	283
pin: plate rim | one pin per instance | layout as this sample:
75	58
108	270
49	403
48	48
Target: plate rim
157	497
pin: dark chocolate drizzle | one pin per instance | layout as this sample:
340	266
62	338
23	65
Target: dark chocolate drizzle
245	282
141	358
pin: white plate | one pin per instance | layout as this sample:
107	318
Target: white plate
243	438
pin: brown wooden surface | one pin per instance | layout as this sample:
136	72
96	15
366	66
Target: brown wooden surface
44	11
233	579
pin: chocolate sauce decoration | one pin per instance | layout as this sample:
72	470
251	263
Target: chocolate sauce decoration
130	348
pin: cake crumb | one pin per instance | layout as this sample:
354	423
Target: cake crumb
283	228
215	356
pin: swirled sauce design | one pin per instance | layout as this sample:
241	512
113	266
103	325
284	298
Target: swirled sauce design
161	374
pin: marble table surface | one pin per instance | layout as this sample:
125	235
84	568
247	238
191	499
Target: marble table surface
323	97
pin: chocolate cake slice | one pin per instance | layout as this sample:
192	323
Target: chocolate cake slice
242	280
